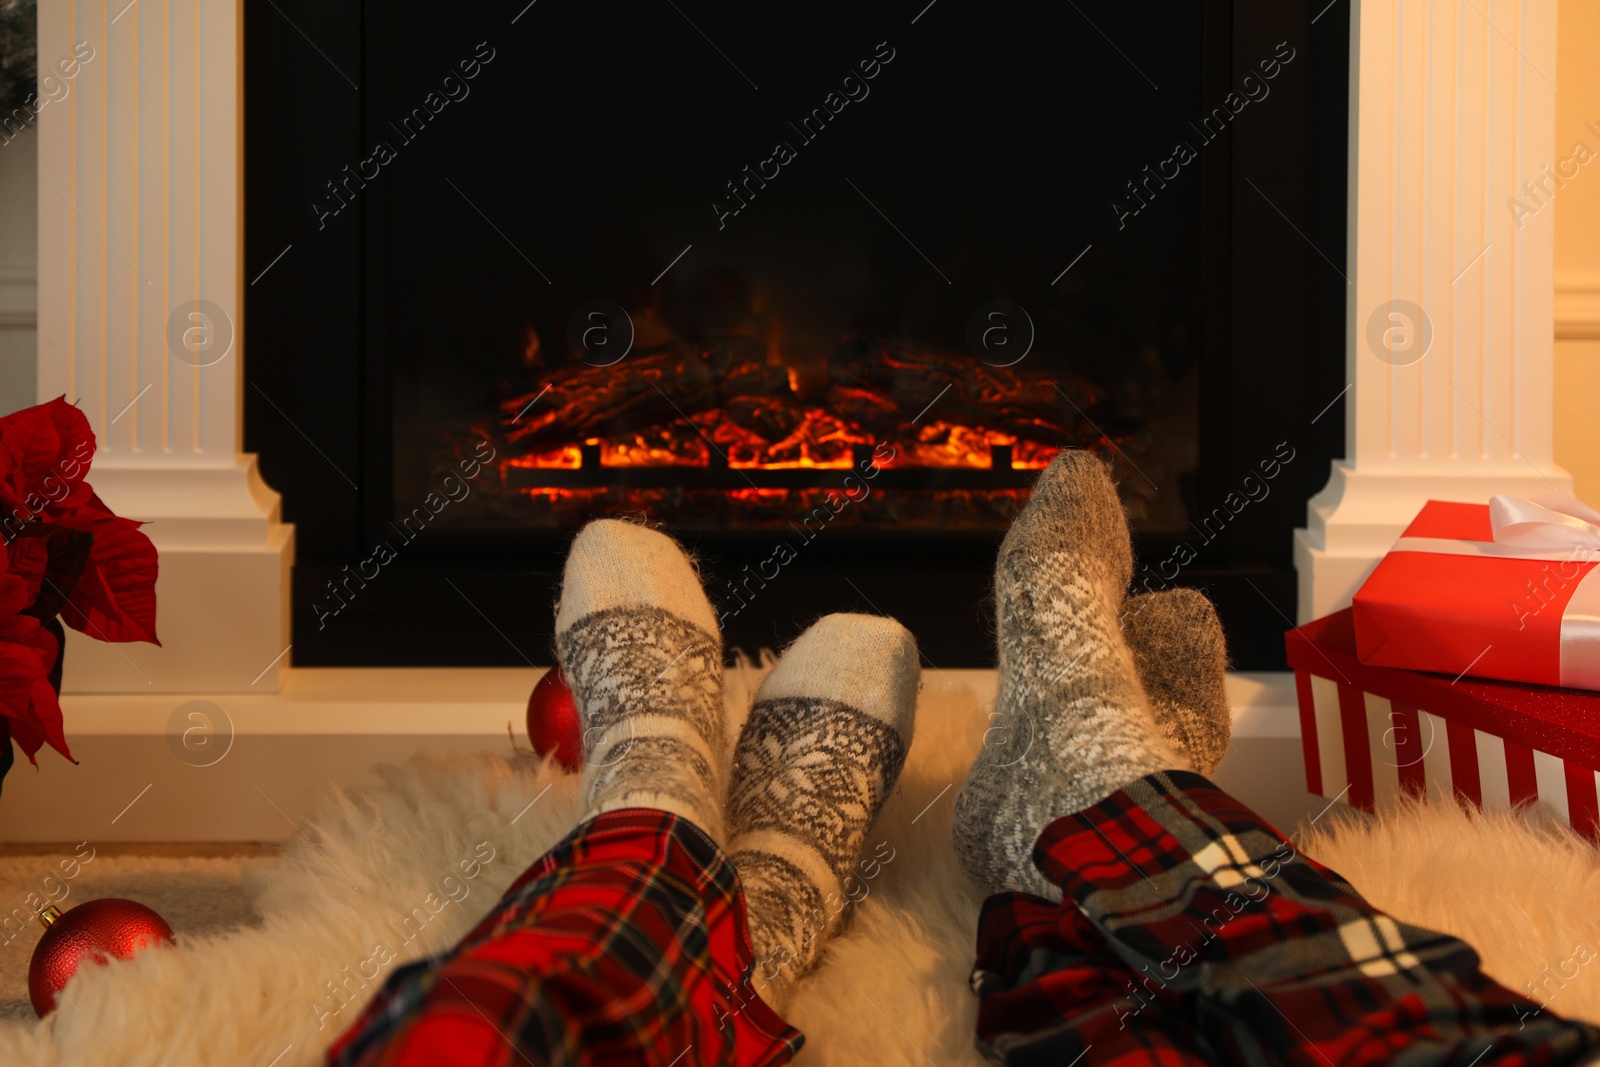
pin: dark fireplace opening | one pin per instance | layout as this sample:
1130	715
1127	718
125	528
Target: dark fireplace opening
713	308
818	290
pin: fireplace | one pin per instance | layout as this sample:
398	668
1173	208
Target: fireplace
820	295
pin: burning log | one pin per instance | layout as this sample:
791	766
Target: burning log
883	387
770	418
879	390
648	389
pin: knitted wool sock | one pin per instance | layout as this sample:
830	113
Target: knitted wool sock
1182	659
1082	726
639	645
823	747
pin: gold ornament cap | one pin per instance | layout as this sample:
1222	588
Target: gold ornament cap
48	917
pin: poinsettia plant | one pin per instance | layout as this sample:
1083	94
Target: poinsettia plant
66	558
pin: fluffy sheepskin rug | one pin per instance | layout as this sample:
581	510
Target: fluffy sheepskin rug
405	870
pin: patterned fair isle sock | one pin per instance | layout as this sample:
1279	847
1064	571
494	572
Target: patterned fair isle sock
1182	659
1068	685
639	645
822	749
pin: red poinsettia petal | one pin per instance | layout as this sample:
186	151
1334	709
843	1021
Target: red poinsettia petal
27	733
26	559
59	423
28	445
64	484
45	452
26	698
25	634
21	569
116	598
32	633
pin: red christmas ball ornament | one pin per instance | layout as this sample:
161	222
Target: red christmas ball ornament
91	932
553	726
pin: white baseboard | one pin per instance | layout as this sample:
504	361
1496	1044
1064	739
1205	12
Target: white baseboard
138	781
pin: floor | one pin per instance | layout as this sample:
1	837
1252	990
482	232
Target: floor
200	888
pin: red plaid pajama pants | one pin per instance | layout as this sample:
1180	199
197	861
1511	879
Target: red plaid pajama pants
626	943
1192	932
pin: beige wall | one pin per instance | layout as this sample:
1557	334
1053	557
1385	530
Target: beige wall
1577	216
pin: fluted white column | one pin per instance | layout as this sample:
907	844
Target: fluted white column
140	296
1452	115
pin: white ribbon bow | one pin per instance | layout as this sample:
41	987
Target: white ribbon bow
1547	522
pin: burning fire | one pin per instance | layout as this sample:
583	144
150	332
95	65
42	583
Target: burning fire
821	442
735	407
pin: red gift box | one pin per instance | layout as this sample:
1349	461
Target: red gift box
1373	734
1507	590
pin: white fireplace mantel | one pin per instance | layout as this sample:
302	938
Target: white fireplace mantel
1452	110
140	315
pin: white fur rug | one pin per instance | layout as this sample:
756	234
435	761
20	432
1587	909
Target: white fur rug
198	895
323	920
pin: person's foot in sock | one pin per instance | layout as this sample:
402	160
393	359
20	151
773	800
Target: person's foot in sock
640	648
825	742
1078	723
1182	659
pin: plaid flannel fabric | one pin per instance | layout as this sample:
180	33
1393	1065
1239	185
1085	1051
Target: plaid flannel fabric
1193	932
626	943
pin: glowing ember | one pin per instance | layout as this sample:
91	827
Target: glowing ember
725	435
731	406
560	459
